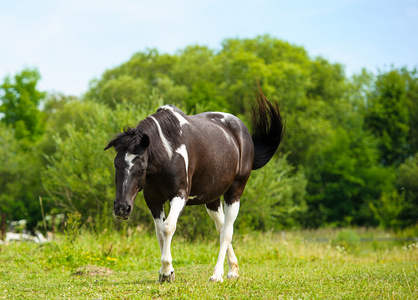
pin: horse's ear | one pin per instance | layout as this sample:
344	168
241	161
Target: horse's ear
144	141
110	145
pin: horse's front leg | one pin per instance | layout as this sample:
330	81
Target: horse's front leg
158	222
168	227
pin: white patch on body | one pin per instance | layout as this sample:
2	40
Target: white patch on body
228	136
231	119
183	152
226	115
232	141
166	144
179	117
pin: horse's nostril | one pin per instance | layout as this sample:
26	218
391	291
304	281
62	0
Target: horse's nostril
128	209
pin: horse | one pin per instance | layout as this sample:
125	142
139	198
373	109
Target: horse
193	160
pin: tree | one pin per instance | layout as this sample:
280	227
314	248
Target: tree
387	116
411	78
407	185
19	104
20	184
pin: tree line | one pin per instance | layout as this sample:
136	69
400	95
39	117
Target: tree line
349	156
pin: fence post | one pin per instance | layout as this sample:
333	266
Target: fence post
43	214
3	226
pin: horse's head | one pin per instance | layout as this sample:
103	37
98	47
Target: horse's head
131	163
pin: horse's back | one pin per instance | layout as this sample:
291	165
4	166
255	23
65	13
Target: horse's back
237	132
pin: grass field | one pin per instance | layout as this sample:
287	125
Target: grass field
272	266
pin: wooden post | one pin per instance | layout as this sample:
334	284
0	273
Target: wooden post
53	224
43	214
3	226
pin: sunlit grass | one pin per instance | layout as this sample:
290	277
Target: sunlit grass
272	266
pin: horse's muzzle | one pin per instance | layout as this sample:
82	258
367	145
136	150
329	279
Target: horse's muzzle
122	210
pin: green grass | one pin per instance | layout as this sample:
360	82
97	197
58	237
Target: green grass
125	266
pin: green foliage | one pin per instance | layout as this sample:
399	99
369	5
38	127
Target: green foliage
407	184
411	78
346	240
19	104
388	209
351	143
274	198
72	225
20	184
204	96
388	117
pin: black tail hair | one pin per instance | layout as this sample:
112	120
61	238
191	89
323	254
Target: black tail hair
268	129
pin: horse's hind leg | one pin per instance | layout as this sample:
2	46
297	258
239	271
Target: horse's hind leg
224	225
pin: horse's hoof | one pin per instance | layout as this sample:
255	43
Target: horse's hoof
166	278
216	278
232	276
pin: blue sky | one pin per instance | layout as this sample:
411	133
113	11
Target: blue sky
73	42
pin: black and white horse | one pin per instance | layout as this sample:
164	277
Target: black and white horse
190	160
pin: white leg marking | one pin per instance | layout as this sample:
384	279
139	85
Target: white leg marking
169	227
217	217
159	230
231	213
166	144
183	152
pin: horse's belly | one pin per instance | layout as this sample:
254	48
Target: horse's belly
209	188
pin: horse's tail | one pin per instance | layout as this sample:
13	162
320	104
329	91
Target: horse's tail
268	129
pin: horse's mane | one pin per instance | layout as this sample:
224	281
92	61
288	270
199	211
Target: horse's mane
131	137
126	140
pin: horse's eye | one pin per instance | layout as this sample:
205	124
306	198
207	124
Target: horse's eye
142	171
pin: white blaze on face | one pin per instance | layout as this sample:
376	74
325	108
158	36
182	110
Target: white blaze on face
183	152
128	159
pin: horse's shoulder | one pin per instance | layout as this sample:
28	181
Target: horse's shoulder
175	112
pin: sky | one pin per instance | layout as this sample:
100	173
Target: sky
74	42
